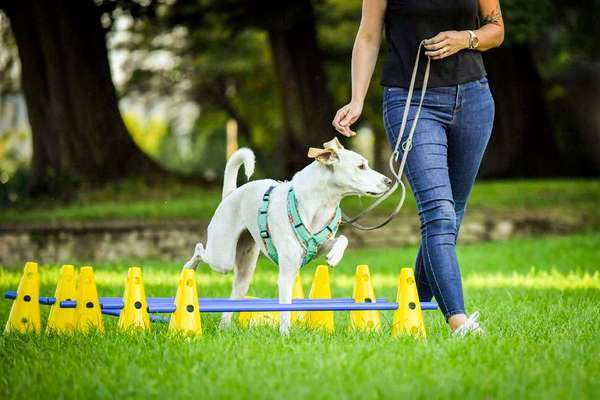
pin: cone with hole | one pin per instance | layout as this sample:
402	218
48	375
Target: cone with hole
186	318
25	311
63	319
363	292
298	317
408	318
87	312
135	308
320	290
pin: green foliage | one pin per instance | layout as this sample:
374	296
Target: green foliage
13	144
9	60
538	298
527	21
561	33
227	74
148	135
15	189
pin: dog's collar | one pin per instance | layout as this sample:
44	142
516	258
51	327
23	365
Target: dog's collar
309	242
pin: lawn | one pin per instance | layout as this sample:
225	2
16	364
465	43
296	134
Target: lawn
538	298
134	200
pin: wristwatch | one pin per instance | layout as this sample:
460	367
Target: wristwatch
473	40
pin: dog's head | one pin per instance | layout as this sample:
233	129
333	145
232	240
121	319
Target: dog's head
349	170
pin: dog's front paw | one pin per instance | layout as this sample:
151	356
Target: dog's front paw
337	251
333	257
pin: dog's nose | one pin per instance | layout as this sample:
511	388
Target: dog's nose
387	181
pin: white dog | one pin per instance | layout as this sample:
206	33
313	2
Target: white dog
310	202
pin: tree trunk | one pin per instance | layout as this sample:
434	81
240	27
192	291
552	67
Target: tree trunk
577	115
78	133
523	142
307	104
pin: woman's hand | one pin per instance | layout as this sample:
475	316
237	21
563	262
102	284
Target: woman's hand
346	116
446	43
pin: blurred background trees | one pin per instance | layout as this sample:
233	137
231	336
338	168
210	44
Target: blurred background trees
77	131
188	71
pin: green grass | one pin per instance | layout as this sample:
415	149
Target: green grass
538	297
132	200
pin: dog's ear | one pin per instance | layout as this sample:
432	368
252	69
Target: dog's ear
324	156
333	144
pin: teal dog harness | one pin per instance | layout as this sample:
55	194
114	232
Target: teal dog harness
310	243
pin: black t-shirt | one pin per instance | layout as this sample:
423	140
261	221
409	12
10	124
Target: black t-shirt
407	22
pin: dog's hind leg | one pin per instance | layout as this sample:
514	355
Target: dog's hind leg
247	252
198	256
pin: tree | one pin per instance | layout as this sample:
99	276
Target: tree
544	40
523	139
78	133
209	66
307	104
307	108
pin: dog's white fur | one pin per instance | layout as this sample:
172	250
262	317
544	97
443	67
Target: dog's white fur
234	242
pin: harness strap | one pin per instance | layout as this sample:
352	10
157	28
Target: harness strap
310	242
263	226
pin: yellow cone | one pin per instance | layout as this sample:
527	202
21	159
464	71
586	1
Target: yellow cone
25	311
249	319
364	292
298	317
320	290
186	317
87	312
135	307
63	319
408	318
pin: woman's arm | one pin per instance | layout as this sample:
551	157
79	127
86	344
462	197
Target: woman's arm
490	35
364	58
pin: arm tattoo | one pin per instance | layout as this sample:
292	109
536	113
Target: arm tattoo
494	17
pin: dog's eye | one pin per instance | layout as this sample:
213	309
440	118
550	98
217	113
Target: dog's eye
362	166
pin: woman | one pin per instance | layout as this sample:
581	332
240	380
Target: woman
453	128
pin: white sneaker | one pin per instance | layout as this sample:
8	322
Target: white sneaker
470	327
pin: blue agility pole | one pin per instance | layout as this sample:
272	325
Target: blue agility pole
209	304
165	305
153	318
12	295
116	303
315	305
252	307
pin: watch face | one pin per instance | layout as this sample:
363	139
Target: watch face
475	42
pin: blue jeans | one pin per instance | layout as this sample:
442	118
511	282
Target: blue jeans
451	136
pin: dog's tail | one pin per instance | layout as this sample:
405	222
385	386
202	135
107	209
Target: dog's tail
242	156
